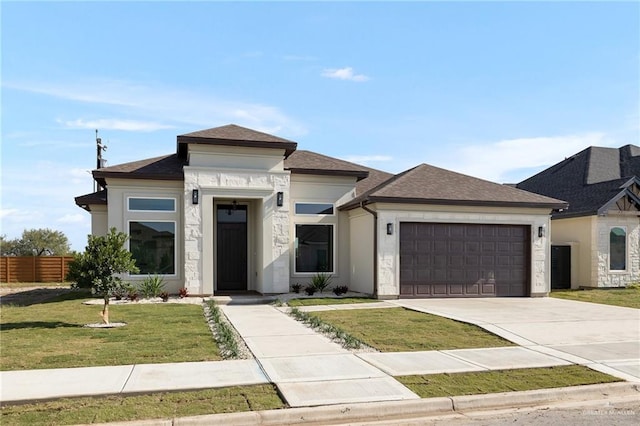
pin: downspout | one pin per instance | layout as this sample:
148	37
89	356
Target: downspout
375	246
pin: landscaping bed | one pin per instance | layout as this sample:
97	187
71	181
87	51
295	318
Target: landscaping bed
522	379
51	334
161	405
626	297
314	301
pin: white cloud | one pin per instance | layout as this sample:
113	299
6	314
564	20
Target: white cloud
115	124
74	218
495	161
344	74
366	159
161	104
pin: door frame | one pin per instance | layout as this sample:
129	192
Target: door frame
249	227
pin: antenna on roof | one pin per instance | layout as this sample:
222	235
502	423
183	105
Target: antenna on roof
100	162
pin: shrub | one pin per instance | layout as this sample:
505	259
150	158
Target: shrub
296	287
165	296
340	290
132	294
321	281
152	286
310	290
183	292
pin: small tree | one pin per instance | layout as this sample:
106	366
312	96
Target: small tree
36	242
98	267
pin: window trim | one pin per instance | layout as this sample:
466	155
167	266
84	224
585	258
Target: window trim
334	259
626	249
175	203
175	246
333	209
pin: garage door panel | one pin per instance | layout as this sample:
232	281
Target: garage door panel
464	260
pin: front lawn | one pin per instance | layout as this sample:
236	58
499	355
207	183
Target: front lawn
163	405
330	301
50	334
482	382
399	329
626	297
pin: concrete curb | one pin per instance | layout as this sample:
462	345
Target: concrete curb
397	410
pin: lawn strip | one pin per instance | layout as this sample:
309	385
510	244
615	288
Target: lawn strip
399	330
522	379
51	335
314	301
625	297
140	407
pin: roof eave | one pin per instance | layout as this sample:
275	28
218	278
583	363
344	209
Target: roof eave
101	176
476	203
183	141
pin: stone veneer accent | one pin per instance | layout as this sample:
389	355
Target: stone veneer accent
273	244
600	274
389	245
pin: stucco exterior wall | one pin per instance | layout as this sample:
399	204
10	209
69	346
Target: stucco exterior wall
328	190
361	249
99	220
250	176
604	277
578	233
119	217
389	245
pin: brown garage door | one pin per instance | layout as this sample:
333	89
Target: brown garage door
463	260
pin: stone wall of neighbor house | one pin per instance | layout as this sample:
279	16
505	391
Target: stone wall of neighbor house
602	275
389	245
269	246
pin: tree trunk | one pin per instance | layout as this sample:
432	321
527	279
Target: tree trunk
105	311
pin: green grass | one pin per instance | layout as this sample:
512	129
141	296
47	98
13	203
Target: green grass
627	297
51	335
399	329
140	407
330	301
454	384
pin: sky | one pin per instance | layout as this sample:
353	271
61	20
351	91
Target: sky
496	90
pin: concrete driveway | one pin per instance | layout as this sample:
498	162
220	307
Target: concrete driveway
606	338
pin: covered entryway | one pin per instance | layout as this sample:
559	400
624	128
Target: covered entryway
560	267
231	248
464	260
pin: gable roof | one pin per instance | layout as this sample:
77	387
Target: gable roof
588	180
308	162
425	184
234	135
167	167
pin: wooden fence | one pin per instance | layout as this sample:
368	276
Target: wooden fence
36	269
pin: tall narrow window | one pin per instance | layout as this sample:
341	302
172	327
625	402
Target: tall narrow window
617	249
314	248
153	246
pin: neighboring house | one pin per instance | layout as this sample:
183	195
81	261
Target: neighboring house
239	210
596	241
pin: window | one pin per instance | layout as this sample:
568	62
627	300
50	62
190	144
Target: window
314	208
153	246
617	249
152	204
314	248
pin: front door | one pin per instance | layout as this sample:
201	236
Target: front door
231	258
560	267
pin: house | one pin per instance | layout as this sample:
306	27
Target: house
240	210
596	241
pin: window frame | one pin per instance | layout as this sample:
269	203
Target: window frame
175	202
333	270
626	249
175	246
333	209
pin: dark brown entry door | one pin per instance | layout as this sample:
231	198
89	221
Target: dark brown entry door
231	258
560	267
463	260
